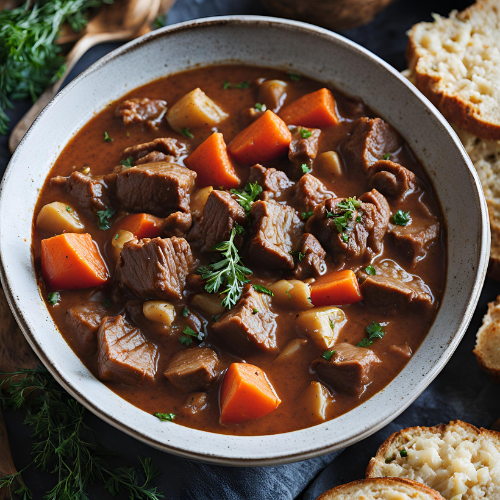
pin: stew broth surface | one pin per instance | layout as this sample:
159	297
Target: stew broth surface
290	378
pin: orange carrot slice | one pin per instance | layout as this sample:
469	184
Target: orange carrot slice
340	287
140	225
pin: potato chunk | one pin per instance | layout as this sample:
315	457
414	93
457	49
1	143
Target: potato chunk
291	349
57	218
272	93
119	239
316	398
199	199
159	311
193	110
294	294
322	325
329	163
210	303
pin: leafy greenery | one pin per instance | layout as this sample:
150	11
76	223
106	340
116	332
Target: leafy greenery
346	209
107	138
374	331
305	168
387	156
128	162
228	276
247	196
306	215
64	445
299	255
401	218
185	311
263	289
370	270
189	334
53	298
30	60
241	85
260	107
187	133
328	355
165	417
104	216
295	77
304	133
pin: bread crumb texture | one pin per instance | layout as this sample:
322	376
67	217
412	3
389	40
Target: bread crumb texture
455	62
458	460
487	349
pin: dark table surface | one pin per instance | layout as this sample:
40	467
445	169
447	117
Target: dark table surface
461	391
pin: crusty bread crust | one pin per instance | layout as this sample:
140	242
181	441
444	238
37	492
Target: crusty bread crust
381	464
380	486
461	92
487	348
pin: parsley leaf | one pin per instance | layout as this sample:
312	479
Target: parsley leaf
374	331
387	156
165	417
107	138
370	270
104	216
127	162
241	85
403	453
306	215
305	168
190	334
263	289
344	216
401	218
295	77
288	293
260	107
328	355
226	85
69	209
53	298
185	311
304	133
227	276
247	196
300	255
186	132
255	311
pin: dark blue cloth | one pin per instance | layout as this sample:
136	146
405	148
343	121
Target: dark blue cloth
461	391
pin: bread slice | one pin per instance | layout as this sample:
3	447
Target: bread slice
459	460
455	62
390	488
487	349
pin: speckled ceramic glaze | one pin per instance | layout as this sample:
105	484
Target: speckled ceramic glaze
276	43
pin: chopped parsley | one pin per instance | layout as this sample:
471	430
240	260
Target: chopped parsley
247	196
374	331
358	218
304	133
300	255
305	168
226	85
263	289
239	229
288	293
117	235
328	355
69	209
387	156
260	107
53	298
370	270
127	163
401	218
295	77
185	311
403	453
104	216
107	303
255	311
332	326
165	417
189	334
107	138
186	132
241	85
306	215
344	216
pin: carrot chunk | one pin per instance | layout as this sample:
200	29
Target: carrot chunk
246	394
316	110
340	287
72	261
212	164
140	225
267	138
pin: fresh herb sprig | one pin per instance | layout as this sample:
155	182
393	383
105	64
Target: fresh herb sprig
64	444
247	196
402	218
104	216
344	216
228	276
189	335
374	331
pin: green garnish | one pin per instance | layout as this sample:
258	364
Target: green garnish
305	168
226	85
332	325
341	219
304	133
388	460
247	196
161	21
288	293
117	235
215	317
107	138
255	311
69	209
370	270
107	303
358	218
403	453
186	132
345	237
401	218
227	276
295	77
185	311
165	417
306	215
328	355
374	331
387	156
53	298
127	162
260	107
300	255
104	216
189	334
263	289
241	85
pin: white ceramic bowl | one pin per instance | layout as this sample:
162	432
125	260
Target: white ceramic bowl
277	43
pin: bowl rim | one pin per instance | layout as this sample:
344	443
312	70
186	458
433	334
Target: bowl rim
273	457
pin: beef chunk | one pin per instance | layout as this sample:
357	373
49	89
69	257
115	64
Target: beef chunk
90	193
195	403
309	191
147	111
273	182
365	229
123	354
392	288
311	260
220	213
83	321
177	224
370	140
155	188
275	231
161	149
349	369
193	369
392	179
303	149
245	331
155	269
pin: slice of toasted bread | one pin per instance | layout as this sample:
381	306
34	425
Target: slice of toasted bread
487	349
455	62
391	488
459	460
